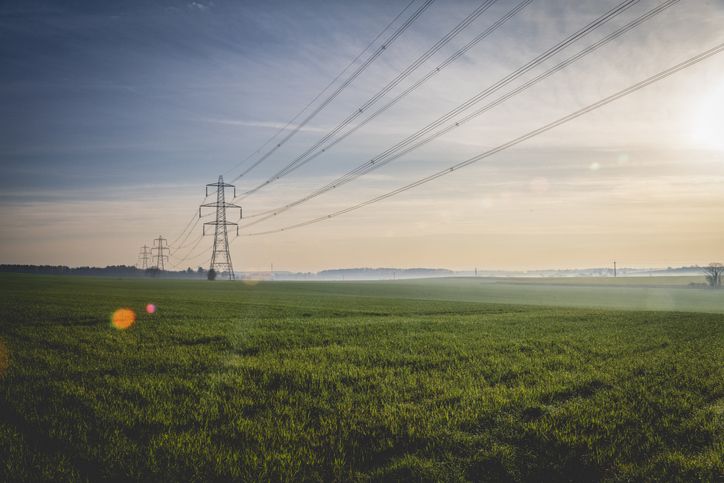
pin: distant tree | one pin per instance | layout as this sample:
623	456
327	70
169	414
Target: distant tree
211	274
153	272
714	273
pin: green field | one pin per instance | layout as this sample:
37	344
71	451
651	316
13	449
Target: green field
456	379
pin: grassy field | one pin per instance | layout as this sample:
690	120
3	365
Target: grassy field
646	293
427	380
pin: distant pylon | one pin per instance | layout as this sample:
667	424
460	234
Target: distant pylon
160	246
143	257
221	256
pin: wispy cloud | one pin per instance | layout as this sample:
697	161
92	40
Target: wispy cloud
200	6
274	125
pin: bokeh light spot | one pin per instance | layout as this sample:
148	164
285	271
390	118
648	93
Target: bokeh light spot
123	318
150	308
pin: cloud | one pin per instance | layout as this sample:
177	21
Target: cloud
263	124
200	6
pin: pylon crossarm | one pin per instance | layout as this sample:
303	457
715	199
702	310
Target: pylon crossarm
220	223
220	205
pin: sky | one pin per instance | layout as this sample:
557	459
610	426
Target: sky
115	115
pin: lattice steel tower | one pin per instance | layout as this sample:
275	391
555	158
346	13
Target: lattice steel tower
160	246
221	256
143	257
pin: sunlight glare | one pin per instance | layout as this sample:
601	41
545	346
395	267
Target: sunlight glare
707	130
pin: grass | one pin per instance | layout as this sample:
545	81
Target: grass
644	293
423	380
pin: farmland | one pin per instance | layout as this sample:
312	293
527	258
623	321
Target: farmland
462	379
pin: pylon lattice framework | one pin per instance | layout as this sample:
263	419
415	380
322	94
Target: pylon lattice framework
220	255
144	256
160	246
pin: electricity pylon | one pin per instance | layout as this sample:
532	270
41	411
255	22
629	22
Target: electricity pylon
221	256
160	246
143	257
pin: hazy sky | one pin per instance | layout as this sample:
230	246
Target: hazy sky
114	115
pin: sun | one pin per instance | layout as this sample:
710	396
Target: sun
707	129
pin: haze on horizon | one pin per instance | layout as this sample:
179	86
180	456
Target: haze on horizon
115	115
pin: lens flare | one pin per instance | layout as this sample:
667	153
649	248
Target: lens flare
123	318
150	308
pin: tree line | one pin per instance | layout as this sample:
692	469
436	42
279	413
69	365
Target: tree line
108	271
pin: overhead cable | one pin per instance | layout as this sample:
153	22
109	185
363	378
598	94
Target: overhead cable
385	45
591	107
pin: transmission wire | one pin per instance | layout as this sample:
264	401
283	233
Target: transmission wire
419	61
331	83
381	160
340	88
591	107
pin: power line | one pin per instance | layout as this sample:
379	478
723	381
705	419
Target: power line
341	87
184	231
618	9
591	107
193	243
397	17
393	154
160	246
184	243
220	255
419	61
188	230
191	255
144	256
185	228
328	86
413	87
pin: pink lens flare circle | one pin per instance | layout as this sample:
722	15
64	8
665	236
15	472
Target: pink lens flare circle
151	309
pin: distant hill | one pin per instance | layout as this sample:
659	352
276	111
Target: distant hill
382	273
